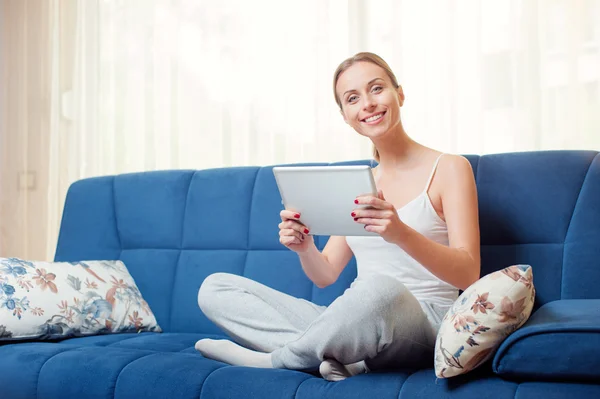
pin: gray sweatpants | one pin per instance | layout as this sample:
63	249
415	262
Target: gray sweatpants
376	320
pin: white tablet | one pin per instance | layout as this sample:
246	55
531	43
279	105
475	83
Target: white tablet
324	196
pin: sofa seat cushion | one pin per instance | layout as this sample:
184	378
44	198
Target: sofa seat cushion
91	368
48	370
561	341
164	342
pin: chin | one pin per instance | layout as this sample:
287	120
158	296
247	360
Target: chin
374	133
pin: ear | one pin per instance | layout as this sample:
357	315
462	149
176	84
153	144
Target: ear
400	95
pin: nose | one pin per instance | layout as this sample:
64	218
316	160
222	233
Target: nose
368	103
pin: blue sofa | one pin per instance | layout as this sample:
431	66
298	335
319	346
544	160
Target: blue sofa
174	228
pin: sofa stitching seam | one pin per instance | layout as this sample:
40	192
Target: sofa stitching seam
123	368
298	387
286	250
114	198
517	390
206	379
245	264
173	289
403	383
37	387
247	250
111	344
562	263
251	207
187	198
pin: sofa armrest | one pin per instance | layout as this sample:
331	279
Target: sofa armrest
561	340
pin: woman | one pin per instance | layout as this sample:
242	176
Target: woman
426	217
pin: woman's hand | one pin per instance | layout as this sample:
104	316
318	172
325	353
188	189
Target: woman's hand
292	233
381	217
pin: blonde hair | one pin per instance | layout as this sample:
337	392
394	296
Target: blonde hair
363	57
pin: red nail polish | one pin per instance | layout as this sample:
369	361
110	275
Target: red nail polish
356	201
355	219
353	214
297	215
305	231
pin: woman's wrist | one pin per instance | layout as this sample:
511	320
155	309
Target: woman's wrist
311	248
401	236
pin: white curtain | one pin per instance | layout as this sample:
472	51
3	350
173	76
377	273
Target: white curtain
100	87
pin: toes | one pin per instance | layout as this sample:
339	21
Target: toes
332	370
325	369
201	344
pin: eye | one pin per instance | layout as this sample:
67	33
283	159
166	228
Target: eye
376	89
352	98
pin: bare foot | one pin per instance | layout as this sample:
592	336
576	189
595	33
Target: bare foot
232	353
332	370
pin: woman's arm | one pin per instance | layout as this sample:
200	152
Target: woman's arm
324	268
457	264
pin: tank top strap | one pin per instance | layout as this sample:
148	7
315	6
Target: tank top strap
432	173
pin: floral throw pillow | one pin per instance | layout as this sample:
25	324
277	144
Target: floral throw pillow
481	318
48	300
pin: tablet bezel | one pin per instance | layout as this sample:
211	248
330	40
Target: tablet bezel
324	196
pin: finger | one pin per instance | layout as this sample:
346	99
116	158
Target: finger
294	240
287	241
284	240
373	202
373	229
288	214
380	195
292	233
372	213
299	227
292	224
370	221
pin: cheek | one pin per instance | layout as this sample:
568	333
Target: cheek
392	99
395	116
349	115
394	106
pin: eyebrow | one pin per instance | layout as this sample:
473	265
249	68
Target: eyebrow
371	81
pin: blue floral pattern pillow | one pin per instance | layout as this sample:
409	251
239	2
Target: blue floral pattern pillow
49	300
481	318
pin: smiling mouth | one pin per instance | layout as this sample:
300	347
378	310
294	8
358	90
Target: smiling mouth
374	118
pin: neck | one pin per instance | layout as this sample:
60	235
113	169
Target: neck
397	150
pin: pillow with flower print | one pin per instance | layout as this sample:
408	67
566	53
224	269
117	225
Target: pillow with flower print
481	318
50	300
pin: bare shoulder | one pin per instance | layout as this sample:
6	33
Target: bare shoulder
454	166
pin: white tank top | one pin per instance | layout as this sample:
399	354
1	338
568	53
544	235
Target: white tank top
375	256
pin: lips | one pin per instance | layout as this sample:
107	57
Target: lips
373	118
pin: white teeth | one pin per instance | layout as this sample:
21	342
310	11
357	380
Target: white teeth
373	118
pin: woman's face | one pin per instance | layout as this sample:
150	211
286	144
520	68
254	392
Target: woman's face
370	102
